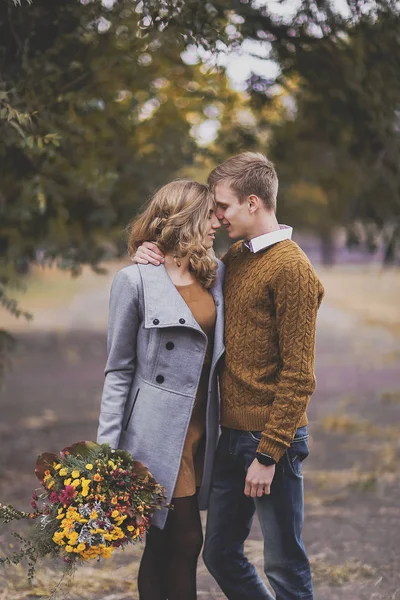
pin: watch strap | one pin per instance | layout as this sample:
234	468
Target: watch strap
265	459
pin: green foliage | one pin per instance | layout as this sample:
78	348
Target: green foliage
98	108
333	129
96	111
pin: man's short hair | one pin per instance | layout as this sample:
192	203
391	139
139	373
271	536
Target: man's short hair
248	173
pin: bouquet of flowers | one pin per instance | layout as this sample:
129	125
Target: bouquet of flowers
93	499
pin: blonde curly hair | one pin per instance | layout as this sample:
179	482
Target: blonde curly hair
175	219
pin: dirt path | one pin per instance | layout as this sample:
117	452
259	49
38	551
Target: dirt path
352	480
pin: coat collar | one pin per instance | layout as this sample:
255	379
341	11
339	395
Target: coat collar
164	306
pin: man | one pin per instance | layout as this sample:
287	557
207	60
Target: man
272	295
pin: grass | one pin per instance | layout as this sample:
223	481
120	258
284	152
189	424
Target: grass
113	579
370	292
346	424
340	574
46	290
391	397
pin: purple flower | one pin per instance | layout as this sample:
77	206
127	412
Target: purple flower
67	559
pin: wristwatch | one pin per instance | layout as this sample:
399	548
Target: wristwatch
264	459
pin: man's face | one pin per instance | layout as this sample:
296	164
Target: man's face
235	217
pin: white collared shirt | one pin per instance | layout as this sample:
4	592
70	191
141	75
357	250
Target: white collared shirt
268	239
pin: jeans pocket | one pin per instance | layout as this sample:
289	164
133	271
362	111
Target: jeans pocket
298	451
255	436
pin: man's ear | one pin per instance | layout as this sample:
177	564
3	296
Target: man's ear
253	203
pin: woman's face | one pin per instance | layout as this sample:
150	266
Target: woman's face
213	225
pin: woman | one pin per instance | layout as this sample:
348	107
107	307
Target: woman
160	398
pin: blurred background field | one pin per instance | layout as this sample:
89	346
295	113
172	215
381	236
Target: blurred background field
369	291
103	101
352	481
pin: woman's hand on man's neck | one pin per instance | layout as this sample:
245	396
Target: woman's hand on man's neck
180	275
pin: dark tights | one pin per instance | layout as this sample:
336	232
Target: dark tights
169	562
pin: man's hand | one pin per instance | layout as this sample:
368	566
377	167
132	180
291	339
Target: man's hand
148	253
259	479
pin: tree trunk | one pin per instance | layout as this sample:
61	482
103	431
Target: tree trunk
327	248
389	255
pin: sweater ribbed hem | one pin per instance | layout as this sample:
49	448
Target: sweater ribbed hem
256	420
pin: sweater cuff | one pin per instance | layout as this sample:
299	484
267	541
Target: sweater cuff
272	448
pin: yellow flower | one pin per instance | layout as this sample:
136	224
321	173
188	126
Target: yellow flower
73	538
114	500
97	477
130	528
46	477
111	464
115	513
76	482
50	485
75	474
67	481
106	552
69	548
63	472
80	547
58	536
118	533
89	467
58	466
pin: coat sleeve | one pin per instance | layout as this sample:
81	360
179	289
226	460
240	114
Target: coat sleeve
121	345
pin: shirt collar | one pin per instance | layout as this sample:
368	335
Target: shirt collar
268	239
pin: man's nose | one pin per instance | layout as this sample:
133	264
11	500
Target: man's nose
219	214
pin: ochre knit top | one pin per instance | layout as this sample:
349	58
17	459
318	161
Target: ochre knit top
271	303
201	304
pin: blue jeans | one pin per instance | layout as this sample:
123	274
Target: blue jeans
281	516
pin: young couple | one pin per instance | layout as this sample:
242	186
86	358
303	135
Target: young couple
196	344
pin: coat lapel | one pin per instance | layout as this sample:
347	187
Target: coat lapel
163	304
218	295
165	307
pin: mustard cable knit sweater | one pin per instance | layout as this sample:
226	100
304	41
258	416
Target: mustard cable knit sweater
271	303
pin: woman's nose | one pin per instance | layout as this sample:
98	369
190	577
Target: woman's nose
215	222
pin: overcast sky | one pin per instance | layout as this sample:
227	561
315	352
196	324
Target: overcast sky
240	64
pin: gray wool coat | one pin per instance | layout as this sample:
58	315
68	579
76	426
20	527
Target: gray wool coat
156	351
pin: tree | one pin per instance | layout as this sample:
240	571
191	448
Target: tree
339	138
96	111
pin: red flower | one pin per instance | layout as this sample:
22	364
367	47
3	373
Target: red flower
54	497
67	495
